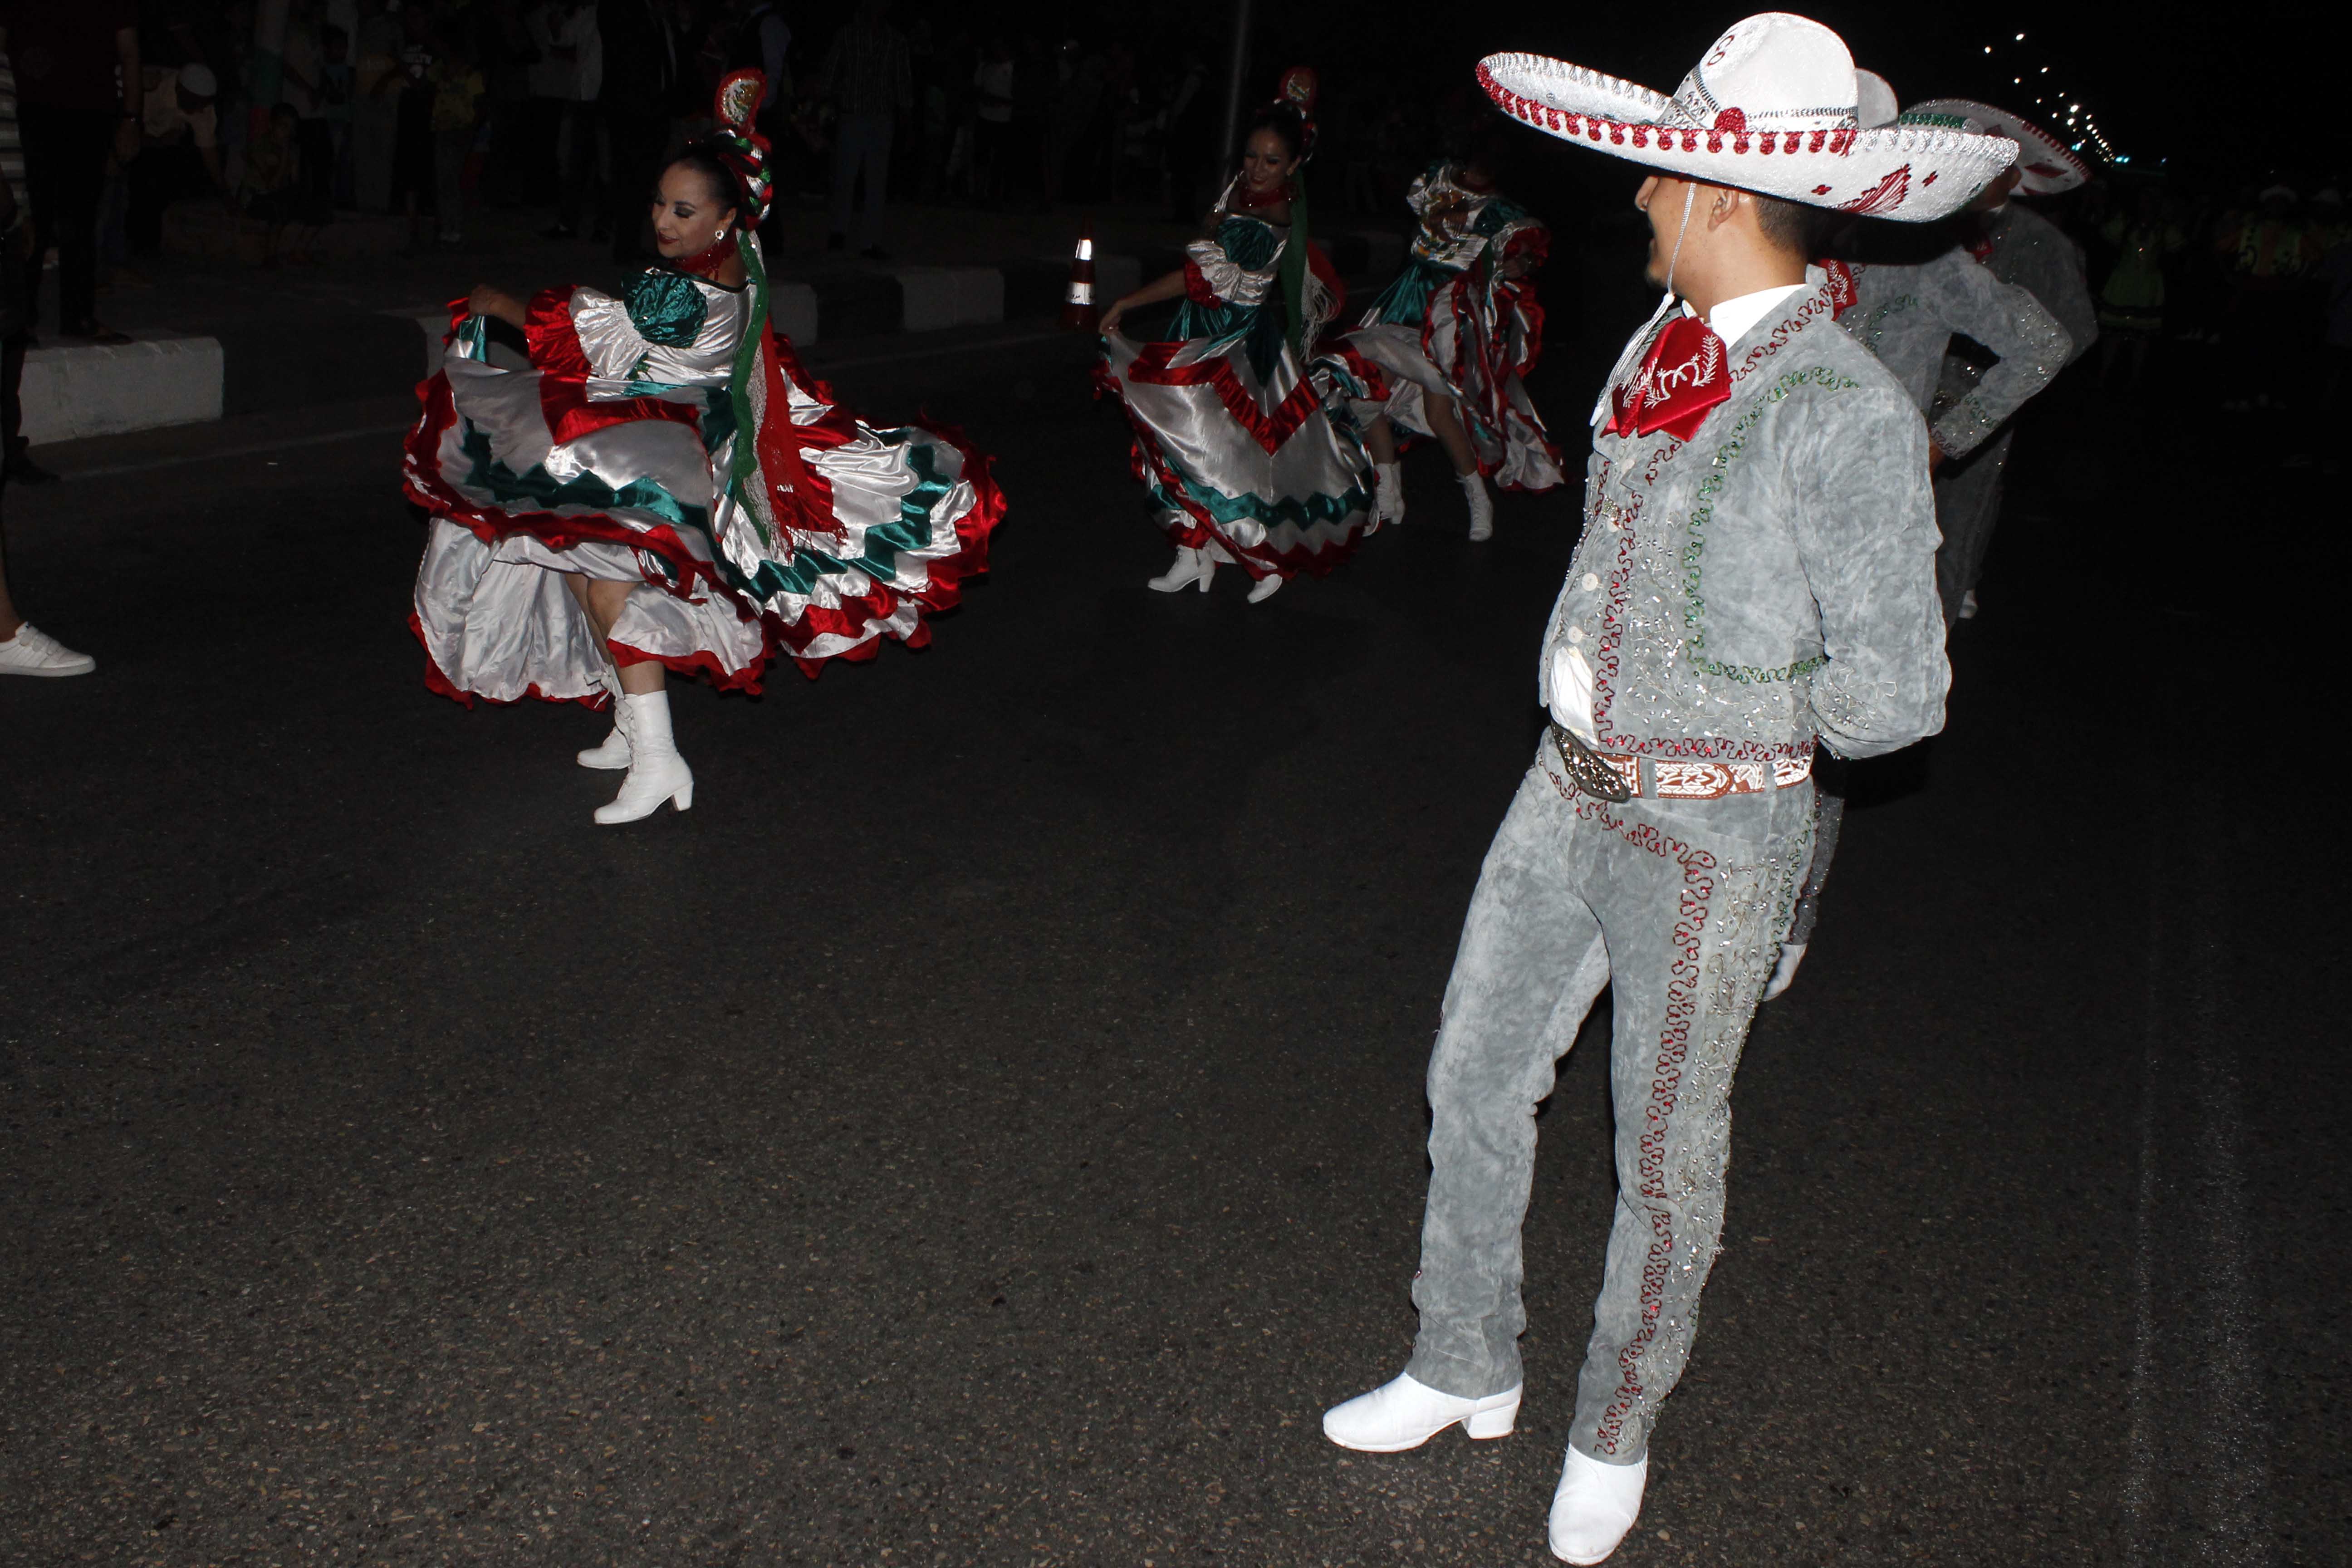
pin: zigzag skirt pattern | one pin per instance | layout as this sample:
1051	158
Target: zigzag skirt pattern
1269	467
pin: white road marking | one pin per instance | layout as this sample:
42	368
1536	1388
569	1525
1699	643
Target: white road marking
2196	1396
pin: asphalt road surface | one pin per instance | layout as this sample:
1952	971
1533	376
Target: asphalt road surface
987	1129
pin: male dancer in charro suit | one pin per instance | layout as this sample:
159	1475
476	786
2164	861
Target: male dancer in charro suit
1757	573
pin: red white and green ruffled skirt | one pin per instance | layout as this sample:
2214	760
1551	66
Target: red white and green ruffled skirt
666	437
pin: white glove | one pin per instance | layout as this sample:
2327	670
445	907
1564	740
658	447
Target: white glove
1792	953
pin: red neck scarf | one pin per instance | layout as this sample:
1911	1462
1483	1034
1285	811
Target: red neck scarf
1685	374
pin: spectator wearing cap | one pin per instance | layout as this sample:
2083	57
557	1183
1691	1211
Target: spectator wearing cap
79	85
179	153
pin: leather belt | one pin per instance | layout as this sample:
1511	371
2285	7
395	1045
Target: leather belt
1619	777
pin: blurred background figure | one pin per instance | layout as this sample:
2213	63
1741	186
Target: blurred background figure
24	649
2131	301
642	77
869	76
179	153
77	101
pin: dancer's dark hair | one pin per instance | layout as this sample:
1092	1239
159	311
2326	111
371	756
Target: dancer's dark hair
1285	121
703	158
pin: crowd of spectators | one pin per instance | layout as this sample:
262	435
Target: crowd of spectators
2244	282
437	109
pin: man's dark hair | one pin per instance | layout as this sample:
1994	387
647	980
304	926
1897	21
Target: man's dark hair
1803	230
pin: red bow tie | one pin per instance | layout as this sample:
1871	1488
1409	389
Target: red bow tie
1682	377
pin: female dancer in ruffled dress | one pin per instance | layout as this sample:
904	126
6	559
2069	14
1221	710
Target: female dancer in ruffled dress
666	489
1444	349
1248	458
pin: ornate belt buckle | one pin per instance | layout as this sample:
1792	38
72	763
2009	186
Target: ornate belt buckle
1587	770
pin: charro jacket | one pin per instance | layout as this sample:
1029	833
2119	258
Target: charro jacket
1771	579
1907	314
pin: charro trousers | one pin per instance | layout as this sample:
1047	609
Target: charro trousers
1678	907
1967	504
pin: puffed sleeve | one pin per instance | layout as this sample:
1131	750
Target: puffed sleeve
607	336
1865	526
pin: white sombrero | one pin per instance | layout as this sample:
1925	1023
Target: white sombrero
1771	109
2045	165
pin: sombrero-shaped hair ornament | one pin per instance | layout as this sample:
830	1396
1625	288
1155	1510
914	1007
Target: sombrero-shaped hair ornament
1770	109
735	108
2045	166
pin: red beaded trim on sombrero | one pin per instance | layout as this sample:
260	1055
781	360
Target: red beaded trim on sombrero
1568	123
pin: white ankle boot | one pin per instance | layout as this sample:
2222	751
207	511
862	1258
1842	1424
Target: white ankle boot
1595	1507
1402	1414
1388	494
1481	505
1191	566
614	753
656	773
1266	587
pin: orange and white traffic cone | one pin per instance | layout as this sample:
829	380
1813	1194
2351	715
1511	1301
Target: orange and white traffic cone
1079	311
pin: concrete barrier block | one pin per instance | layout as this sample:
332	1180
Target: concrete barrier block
937	297
70	391
793	308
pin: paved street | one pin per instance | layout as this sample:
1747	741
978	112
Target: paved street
987	1129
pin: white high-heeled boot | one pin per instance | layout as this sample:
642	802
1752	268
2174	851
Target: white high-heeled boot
1191	566
1387	493
1595	1507
656	773
1266	587
613	751
1481	505
1403	1414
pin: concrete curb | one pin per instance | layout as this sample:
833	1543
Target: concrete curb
101	390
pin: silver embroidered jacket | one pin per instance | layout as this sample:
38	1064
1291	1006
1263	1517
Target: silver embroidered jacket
1770	580
1907	314
2033	253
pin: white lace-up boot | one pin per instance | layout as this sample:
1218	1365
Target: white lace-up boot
656	773
1388	494
1481	505
614	753
1402	1413
33	651
1191	566
1595	1507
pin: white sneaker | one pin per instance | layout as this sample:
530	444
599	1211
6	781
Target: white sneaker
656	773
1388	494
1595	1507
1482	506
1191	566
1402	1414
1266	587
33	651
